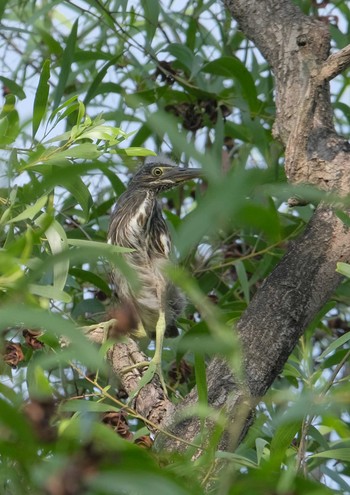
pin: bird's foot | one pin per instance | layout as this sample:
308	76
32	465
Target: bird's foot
153	368
101	330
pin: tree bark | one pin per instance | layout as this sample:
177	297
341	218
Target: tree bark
297	49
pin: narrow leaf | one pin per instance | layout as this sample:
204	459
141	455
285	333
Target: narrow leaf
344	269
91	278
137	151
50	292
93	89
41	96
71	102
334	345
201	379
76	405
243	279
100	245
31	211
57	240
68	57
183	54
282	440
341	454
80	192
232	67
13	87
152	10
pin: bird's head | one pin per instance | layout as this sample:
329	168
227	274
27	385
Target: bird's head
160	173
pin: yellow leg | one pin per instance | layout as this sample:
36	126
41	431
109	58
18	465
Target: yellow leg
102	330
160	332
155	364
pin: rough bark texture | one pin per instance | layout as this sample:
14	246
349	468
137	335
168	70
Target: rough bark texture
297	49
150	403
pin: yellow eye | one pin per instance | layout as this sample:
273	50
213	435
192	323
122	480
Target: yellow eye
157	172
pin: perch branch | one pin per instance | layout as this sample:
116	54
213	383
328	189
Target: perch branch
150	402
335	64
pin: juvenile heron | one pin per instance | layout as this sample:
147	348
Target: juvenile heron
137	223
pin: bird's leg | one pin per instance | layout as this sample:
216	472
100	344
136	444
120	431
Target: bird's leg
155	364
101	329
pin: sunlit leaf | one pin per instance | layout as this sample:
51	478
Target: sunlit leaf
136	151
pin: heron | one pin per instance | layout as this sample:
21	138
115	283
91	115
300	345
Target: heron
137	222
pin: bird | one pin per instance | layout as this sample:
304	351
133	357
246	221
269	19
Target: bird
137	223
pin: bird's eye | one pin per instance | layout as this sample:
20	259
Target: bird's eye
157	172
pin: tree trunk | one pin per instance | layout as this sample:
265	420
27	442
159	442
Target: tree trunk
297	49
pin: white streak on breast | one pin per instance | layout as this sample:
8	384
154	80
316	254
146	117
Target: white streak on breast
165	243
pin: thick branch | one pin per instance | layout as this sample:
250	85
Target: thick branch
270	328
294	45
297	48
150	402
335	64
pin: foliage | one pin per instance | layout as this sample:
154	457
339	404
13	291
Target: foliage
89	86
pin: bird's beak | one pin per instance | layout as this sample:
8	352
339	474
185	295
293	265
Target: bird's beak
179	175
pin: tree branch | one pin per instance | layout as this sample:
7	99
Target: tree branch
150	403
335	64
297	49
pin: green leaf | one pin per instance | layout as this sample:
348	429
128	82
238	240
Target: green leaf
334	345
201	379
76	405
243	279
343	217
91	278
232	67
50	292
100	245
80	192
67	60
30	211
52	44
37	381
94	87
13	87
57	239
152	11
41	97
136	151
3	7
341	454
236	459
344	269
19	314
183	54
4	124
11	123
282	440
87	151
70	105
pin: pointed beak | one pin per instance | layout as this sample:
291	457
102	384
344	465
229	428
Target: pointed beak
180	174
